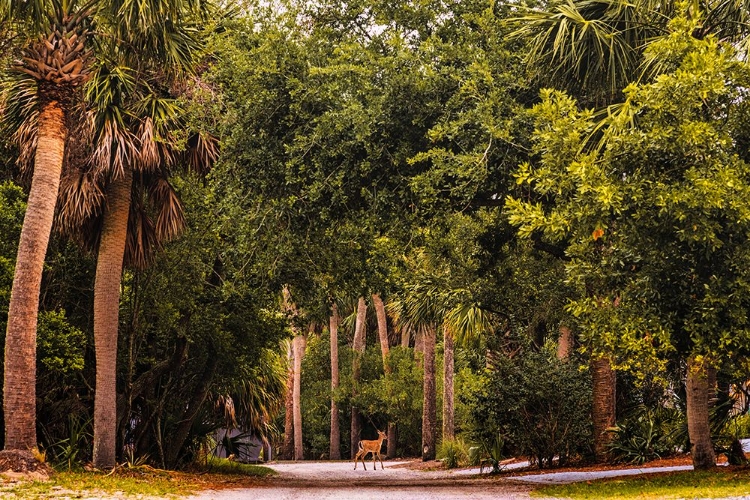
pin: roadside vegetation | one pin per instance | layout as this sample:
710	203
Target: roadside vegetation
488	229
700	484
138	481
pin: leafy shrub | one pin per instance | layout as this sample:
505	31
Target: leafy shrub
647	434
492	453
453	453
540	405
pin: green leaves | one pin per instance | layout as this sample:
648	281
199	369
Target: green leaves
656	217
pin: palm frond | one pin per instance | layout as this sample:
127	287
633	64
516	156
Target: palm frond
202	151
80	199
170	218
468	322
18	120
592	43
142	243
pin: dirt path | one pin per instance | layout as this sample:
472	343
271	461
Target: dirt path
338	481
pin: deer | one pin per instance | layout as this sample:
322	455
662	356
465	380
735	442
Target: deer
370	446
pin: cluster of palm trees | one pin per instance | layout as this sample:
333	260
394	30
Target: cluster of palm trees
87	99
419	314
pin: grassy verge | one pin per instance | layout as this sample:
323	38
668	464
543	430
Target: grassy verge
135	482
224	466
710	484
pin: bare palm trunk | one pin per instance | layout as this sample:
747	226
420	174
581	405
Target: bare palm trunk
405	337
19	389
603	409
334	452
448	367
564	343
287	449
106	317
377	302
299	352
358	345
699	429
429	408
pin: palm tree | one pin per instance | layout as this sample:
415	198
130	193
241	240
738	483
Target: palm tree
427	307
699	428
106	209
423	309
382	318
335	445
358	346
298	351
57	53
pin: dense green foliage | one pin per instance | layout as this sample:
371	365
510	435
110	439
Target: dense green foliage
540	406
420	152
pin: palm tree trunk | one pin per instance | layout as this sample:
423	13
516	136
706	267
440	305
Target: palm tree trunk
106	318
19	389
699	429
448	367
334	452
603	409
287	449
377	302
429	408
564	343
405	337
358	345
299	352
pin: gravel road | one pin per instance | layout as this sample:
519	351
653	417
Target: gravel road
338	481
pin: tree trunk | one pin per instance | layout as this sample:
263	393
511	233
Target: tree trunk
377	302
334	452
358	345
19	389
448	367
177	439
564	343
699	429
603	408
429	408
107	317
287	449
299	352
405	337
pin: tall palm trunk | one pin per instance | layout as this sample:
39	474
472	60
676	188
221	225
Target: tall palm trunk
377	302
19	389
448	395
334	452
287	449
299	352
429	408
565	343
405	337
106	317
603	410
699	429
358	344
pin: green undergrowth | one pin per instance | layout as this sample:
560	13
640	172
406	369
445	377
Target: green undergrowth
705	484
224	466
96	484
135	482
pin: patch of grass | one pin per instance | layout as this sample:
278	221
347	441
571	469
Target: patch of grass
135	482
224	466
71	484
702	484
